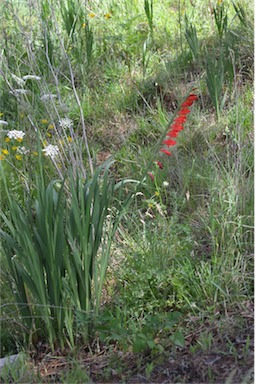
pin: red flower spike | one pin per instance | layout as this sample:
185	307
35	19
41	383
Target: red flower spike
187	103
169	142
166	152
160	165
151	176
183	112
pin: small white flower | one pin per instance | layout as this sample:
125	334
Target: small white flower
51	150
48	96
2	122
22	150
18	79
17	135
165	183
31	77
66	123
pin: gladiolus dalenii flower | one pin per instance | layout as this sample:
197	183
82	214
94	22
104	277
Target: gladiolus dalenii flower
176	127
166	152
169	142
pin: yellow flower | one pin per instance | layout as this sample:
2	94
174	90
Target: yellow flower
20	139
1	157
83	25
1	114
7	140
107	15
14	148
92	15
51	126
69	139
156	193
150	205
18	157
48	134
35	153
5	151
44	121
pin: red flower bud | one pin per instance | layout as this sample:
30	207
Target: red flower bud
166	152
151	176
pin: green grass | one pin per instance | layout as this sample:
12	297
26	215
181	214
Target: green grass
119	71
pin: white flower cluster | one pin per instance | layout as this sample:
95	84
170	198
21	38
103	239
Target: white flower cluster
3	122
31	77
22	150
51	151
66	123
17	135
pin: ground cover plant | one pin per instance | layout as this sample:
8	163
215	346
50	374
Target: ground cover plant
127	191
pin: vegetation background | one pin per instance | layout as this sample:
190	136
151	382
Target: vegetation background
120	263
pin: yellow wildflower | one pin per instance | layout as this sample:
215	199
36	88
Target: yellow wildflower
92	15
69	139
83	25
1	157
18	157
150	205
14	148
51	126
20	139
35	153
44	121
156	193
107	15
5	151
7	140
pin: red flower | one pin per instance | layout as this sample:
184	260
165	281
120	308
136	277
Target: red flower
172	133
169	142
151	176
176	127
166	152
160	165
187	103
180	119
183	112
192	96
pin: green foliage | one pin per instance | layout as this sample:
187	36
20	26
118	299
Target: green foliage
141	335
215	81
221	18
51	248
148	7
192	39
